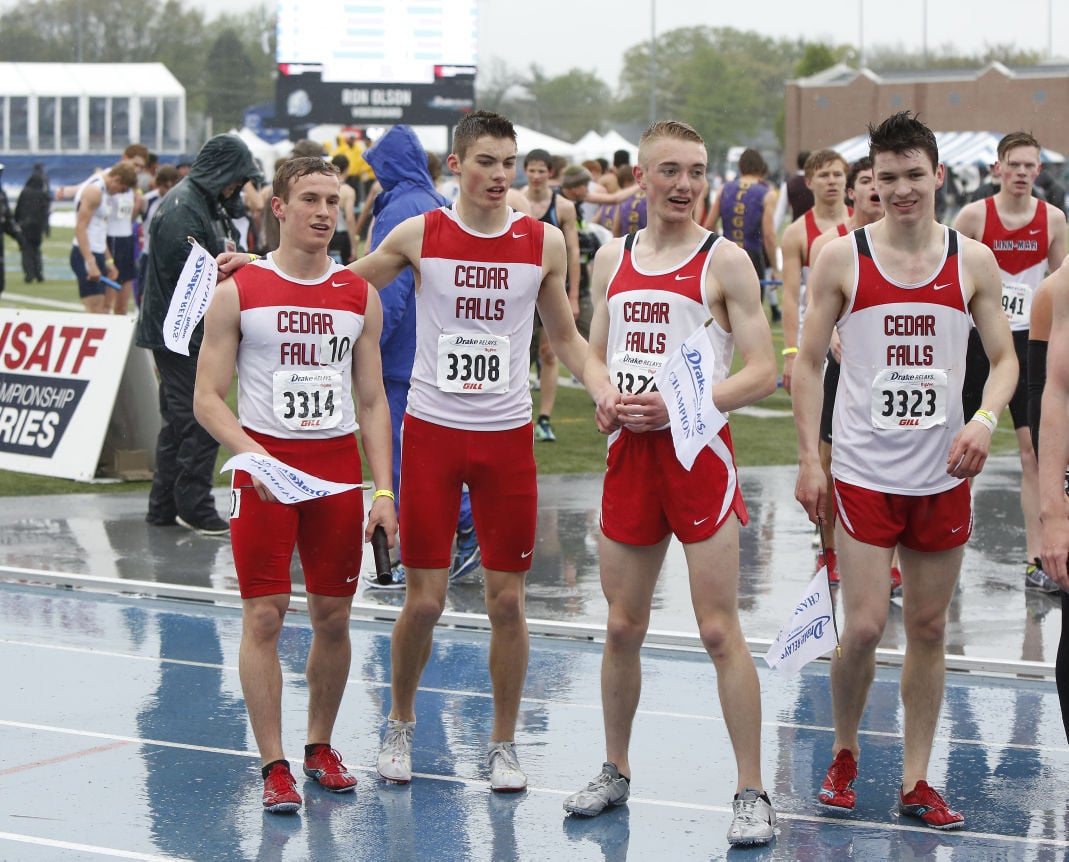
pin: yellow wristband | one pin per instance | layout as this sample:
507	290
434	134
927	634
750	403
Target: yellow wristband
110	261
986	418
788	351
253	257
382	492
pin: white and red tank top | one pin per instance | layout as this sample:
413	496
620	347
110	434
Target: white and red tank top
1022	260
898	405
812	231
296	353
652	313
474	316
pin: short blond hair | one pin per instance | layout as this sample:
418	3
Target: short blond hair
667	129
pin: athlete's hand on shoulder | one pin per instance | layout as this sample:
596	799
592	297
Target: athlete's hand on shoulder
230	262
811	490
642	412
968	452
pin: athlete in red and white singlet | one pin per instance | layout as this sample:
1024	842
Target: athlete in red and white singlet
900	292
474	317
650	315
1022	259
480	269
303	336
651	292
898	405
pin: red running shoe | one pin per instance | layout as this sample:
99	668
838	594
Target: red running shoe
280	790
325	766
833	565
923	802
837	791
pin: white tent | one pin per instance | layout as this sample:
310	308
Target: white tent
955	148
528	139
613	141
264	152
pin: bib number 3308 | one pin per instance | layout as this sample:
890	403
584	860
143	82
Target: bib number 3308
473	363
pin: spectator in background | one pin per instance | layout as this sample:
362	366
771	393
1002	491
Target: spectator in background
8	225
794	194
185	453
123	209
1048	183
345	242
167	177
31	214
89	251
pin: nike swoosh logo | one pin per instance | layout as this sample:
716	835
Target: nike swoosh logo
337	284
518	235
702	521
958	529
1034	232
350	580
941	286
526	554
684	277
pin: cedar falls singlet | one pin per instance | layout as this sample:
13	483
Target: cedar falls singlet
652	313
898	405
474	317
1022	260
296	356
812	231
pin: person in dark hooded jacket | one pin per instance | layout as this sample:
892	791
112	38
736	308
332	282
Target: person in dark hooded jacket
400	165
196	207
31	213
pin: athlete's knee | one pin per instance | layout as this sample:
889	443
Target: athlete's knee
720	634
545	353
423	608
262	619
926	628
505	606
863	633
625	631
331	622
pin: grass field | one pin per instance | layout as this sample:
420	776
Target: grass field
767	439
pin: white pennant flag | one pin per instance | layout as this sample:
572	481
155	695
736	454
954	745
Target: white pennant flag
685	380
810	632
190	299
288	484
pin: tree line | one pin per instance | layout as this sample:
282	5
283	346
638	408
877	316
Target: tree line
728	83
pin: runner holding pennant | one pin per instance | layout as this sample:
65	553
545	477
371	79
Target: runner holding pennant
685	380
190	298
287	484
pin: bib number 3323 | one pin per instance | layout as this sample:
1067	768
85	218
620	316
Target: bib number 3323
904	399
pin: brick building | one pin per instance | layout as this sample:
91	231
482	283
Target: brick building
837	103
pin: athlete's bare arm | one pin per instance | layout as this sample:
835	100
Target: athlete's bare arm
1056	231
793	248
1054	435
828	289
735	302
400	249
569	225
553	305
970	221
970	447
374	414
215	375
714	211
768	229
596	375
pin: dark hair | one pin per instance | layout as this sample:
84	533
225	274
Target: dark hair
802	156
902	133
604	164
862	164
621	157
753	163
167	175
434	166
341	162
538	156
479	124
302	166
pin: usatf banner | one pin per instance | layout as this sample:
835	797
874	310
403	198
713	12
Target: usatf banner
59	376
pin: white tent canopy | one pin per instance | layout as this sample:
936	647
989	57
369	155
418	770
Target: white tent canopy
955	148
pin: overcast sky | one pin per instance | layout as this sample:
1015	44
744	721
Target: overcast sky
560	35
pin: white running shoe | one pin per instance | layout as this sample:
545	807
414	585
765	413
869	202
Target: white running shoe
505	773
395	755
609	788
754	818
